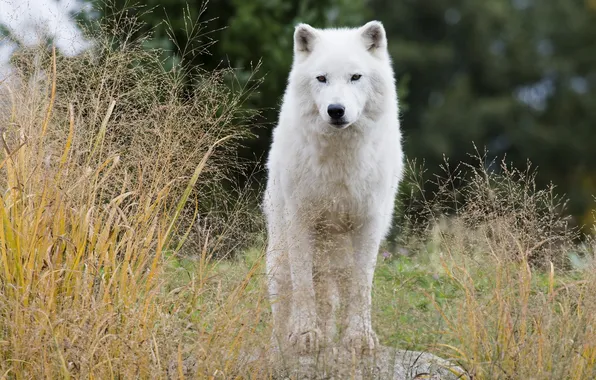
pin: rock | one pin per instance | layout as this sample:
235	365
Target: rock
386	363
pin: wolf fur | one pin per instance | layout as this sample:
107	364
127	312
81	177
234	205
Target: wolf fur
333	172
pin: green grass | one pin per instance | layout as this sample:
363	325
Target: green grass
404	291
413	296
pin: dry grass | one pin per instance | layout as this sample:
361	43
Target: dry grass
514	322
106	161
510	303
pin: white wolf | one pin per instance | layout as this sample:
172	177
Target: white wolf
334	168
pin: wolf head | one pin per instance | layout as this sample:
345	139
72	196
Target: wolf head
343	75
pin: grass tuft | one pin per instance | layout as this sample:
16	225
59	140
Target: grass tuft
106	160
493	282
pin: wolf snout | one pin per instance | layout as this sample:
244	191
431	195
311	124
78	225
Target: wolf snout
336	111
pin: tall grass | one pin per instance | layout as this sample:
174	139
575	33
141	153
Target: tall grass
105	161
518	308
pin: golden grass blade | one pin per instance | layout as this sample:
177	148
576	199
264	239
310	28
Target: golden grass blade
11	154
69	138
99	140
191	184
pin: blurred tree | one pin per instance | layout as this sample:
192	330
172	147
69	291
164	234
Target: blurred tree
514	76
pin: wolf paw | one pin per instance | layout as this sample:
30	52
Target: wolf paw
304	335
362	339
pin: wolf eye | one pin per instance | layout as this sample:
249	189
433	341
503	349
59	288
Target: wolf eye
355	77
322	78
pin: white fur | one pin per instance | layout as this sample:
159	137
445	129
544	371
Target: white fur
331	189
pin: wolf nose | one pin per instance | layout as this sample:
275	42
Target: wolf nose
336	111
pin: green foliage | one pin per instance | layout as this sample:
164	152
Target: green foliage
472	64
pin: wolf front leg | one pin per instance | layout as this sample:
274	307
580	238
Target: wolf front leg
332	262
303	333
359	334
278	274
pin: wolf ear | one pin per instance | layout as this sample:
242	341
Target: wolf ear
374	36
304	39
